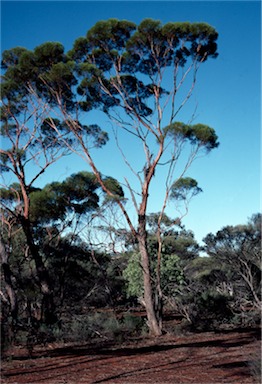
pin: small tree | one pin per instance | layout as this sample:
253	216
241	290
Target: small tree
178	248
238	248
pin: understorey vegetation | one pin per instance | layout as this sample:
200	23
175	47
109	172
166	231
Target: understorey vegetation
99	295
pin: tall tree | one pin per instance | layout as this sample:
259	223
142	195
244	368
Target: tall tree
141	77
29	145
135	74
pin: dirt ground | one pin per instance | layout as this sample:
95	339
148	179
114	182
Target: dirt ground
192	358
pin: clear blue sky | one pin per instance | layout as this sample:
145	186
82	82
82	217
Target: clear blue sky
228	90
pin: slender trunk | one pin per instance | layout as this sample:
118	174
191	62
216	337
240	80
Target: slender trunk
159	305
8	282
48	307
158	292
153	324
10	292
108	289
62	280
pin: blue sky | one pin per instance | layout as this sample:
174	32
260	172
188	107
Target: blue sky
227	93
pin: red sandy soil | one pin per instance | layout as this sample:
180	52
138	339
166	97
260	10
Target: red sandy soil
192	358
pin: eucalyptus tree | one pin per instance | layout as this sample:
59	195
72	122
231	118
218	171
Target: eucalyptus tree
29	146
141	76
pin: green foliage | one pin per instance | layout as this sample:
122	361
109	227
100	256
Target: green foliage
180	243
49	53
133	275
77	278
152	222
199	134
172	42
42	68
201	267
184	187
114	187
11	57
80	48
56	200
110	34
210	309
178	248
147	48
224	288
105	325
238	248
77	194
172	275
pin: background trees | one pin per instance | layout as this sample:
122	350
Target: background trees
207	291
238	249
224	287
79	275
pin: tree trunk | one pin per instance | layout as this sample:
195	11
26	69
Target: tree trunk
158	291
48	307
12	299
8	282
159	305
153	324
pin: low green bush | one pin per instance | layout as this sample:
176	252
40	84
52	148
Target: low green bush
210	310
101	324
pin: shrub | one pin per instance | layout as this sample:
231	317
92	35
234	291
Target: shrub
100	324
210	310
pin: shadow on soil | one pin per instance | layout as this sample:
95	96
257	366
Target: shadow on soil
111	348
96	354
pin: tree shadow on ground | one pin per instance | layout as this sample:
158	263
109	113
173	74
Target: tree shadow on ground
113	348
67	357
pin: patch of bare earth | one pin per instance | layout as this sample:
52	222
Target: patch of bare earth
193	358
